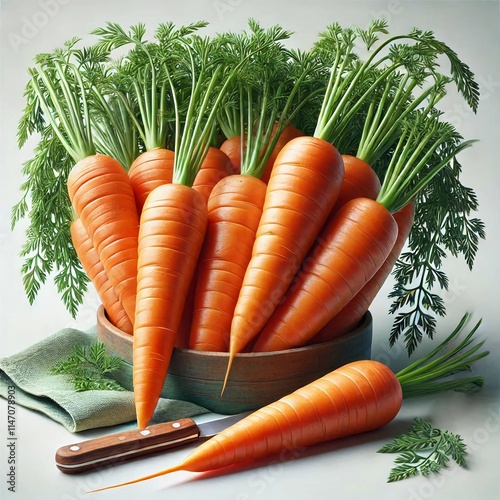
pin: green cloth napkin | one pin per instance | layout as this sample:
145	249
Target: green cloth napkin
54	395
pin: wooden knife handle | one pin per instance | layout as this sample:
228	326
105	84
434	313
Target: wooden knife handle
122	446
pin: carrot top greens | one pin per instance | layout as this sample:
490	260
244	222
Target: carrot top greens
435	372
411	169
353	82
265	97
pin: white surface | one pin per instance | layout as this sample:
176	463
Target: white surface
351	468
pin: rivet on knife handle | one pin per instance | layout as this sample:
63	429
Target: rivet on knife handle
122	446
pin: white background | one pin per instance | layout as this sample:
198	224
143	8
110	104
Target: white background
350	468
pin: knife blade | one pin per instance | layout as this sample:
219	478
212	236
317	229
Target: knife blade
123	446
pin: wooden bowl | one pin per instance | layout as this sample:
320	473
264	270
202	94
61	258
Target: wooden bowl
256	379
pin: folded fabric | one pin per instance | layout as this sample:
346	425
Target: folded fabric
28	375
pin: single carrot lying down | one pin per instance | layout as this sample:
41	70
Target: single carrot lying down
358	397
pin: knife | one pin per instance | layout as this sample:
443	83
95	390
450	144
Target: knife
122	446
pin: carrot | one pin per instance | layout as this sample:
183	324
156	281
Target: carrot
215	167
234	211
98	186
232	147
172	229
359	397
302	191
351	314
360	180
150	169
288	133
348	252
95	271
102	197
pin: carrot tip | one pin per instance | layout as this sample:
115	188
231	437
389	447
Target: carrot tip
138	480
229	364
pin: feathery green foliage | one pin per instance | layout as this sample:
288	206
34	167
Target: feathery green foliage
424	450
89	368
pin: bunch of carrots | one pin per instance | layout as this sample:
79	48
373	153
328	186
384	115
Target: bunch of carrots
231	194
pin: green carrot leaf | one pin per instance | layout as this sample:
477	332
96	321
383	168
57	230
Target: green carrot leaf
424	450
89	367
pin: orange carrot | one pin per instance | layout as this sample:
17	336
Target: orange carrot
350	316
302	191
95	271
232	147
358	397
355	398
288	133
215	167
348	252
102	197
172	229
98	186
234	211
150	169
360	180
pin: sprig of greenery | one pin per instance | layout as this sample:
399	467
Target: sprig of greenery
89	367
424	450
47	249
461	72
443	225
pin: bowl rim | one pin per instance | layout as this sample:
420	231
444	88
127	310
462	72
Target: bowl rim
127	338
